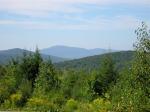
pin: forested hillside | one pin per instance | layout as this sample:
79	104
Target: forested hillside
16	53
32	84
121	59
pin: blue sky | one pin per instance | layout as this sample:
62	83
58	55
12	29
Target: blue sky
79	23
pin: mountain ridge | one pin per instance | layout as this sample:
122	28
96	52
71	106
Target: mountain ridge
7	55
73	52
121	59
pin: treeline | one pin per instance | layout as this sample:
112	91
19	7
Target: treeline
31	84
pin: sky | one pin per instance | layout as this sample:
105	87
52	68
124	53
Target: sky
78	23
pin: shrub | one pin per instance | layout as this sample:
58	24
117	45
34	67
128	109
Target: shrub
39	104
16	99
71	105
101	105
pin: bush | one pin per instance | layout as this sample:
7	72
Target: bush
39	104
71	105
101	105
98	105
86	107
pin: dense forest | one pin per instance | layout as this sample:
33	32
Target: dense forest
121	58
33	84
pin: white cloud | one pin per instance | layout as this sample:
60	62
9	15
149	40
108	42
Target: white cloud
36	7
98	23
43	7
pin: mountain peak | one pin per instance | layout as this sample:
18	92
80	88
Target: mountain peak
72	52
7	55
63	46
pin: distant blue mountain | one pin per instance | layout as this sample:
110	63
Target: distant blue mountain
73	52
7	55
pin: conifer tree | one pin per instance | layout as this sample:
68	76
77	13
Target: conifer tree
47	79
106	77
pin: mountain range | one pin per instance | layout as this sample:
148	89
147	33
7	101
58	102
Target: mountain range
73	52
121	59
55	53
7	55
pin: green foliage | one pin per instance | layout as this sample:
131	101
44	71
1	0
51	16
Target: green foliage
25	89
47	79
15	99
29	66
101	105
71	105
2	71
38	104
98	105
18	98
19	79
46	85
91	63
68	83
123	95
106	78
141	66
72	85
141	70
131	93
7	83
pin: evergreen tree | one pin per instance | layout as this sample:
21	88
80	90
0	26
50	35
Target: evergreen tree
29	66
47	79
8	83
106	77
2	71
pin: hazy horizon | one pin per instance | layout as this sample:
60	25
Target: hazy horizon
82	23
34	48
